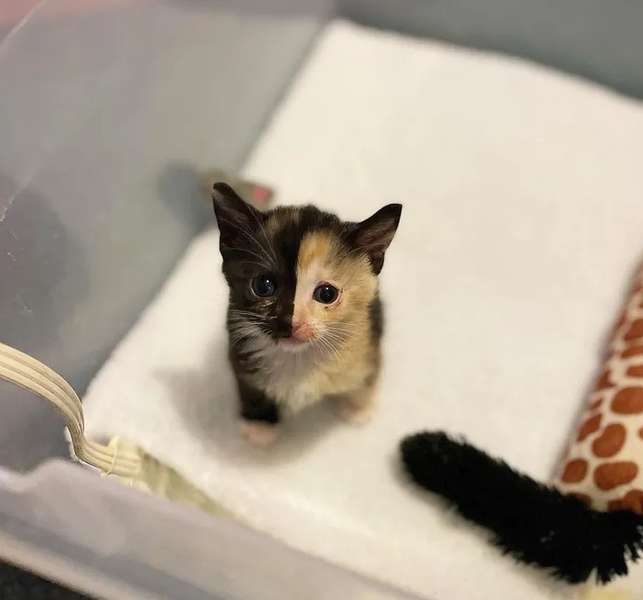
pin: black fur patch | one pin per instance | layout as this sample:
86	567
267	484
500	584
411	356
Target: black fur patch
256	406
533	522
376	316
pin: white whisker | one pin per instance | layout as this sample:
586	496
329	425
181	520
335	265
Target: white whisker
265	235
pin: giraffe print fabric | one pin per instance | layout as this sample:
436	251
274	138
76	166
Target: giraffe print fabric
603	465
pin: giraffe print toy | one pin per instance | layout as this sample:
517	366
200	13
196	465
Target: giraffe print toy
604	463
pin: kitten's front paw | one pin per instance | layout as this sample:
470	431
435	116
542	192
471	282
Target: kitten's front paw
259	433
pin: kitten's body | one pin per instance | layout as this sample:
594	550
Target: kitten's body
304	317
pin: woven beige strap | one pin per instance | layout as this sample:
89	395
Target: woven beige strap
23	370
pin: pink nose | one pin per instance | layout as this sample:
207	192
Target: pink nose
301	330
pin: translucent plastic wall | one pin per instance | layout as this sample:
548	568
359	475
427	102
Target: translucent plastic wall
110	112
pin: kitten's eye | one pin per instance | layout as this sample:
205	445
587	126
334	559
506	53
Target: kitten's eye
264	286
326	293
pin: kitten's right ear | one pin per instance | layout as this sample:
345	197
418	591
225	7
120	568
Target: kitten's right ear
237	220
374	235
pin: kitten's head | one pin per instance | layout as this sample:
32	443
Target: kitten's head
297	275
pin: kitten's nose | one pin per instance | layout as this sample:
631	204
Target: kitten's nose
301	330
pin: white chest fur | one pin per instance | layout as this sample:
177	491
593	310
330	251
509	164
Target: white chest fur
292	379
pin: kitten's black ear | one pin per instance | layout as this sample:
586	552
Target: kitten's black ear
376	233
237	220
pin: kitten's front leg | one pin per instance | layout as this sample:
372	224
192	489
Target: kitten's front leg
259	416
357	407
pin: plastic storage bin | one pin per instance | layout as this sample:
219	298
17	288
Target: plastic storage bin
109	111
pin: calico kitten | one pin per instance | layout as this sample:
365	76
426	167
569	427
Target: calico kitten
304	317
